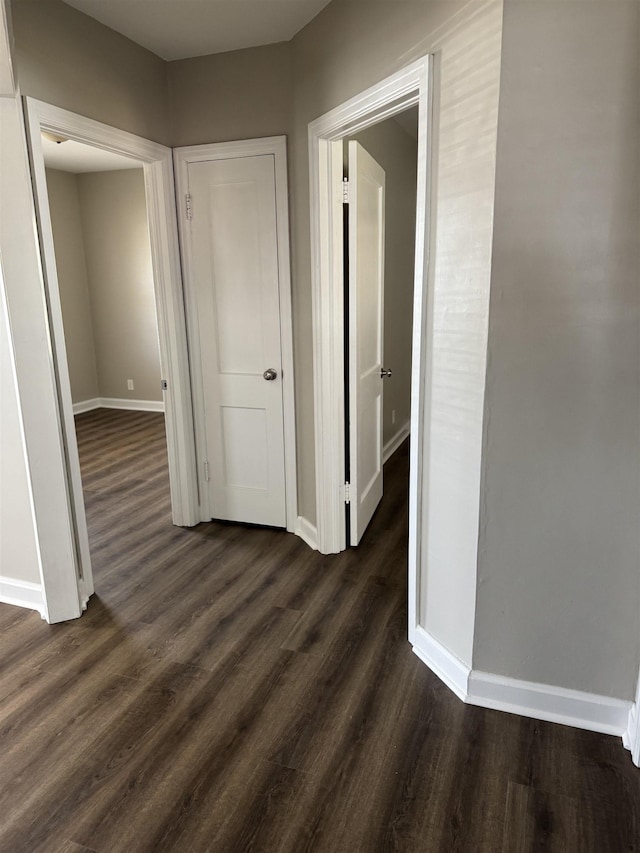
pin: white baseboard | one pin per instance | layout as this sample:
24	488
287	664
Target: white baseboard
394	443
631	736
307	532
442	662
22	594
547	702
118	403
540	701
86	405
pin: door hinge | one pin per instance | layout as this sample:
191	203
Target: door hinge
347	493
206	471
187	200
345	190
164	384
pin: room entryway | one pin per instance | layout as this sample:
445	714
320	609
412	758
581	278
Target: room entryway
380	176
152	253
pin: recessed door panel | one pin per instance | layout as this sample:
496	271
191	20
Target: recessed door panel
245	448
234	245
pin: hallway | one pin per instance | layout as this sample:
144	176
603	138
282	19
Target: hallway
229	689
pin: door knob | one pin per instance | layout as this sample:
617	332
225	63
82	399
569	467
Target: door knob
270	374
385	374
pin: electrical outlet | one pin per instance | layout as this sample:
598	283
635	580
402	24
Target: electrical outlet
130	384
393	416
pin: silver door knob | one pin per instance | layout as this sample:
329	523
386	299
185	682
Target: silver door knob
270	374
385	374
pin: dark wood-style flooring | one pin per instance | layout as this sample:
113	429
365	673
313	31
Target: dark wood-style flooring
228	689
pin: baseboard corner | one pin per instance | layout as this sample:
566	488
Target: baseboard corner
395	441
307	532
86	405
443	663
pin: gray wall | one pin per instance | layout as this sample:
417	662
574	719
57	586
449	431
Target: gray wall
119	270
106	283
558	592
228	96
397	153
66	222
66	58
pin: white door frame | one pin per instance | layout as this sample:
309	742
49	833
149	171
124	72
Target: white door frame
404	89
159	189
276	146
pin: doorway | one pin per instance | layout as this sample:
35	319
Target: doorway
380	226
98	213
406	89
66	587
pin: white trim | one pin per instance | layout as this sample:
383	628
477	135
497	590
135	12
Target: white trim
22	594
539	701
276	146
87	405
307	532
7	77
118	403
442	662
160	197
395	441
547	702
631	737
408	87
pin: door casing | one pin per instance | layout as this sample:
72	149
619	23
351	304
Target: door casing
276	146
62	577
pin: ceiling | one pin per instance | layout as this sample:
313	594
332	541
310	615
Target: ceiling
178	29
70	156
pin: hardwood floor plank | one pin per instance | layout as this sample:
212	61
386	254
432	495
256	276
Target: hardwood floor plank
229	689
539	820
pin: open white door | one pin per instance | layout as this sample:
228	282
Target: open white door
366	335
232	266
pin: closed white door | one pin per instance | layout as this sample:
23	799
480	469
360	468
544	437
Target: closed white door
366	335
233	265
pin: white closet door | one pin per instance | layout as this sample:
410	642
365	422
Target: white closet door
234	266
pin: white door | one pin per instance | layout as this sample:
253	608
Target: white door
366	330
233	263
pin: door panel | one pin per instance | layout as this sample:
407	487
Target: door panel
366	335
234	264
